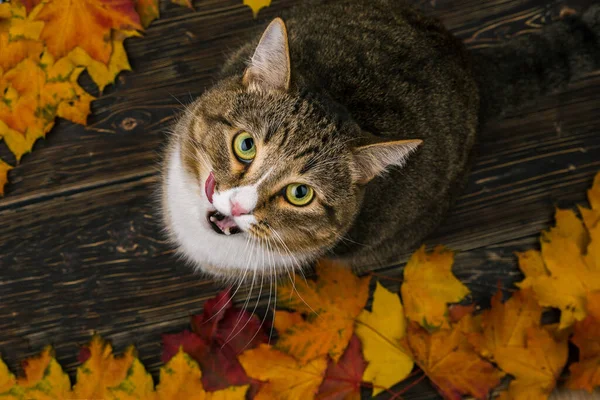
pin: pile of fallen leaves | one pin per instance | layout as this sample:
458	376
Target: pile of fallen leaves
44	47
328	346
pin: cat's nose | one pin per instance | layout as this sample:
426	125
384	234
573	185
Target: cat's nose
237	209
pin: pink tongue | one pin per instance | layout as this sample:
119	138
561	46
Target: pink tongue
209	187
226	224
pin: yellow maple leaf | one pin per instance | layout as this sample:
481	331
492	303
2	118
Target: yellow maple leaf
100	73
101	371
257	5
381	331
44	378
18	36
536	366
330	305
568	266
85	23
180	379
284	378
452	364
506	325
148	11
7	379
585	374
4	168
137	385
429	286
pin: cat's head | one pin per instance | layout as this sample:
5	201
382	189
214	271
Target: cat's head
261	178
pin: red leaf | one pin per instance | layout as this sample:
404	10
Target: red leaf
219	335
84	354
343	380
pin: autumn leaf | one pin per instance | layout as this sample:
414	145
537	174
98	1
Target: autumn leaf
100	73
515	340
429	286
137	385
452	364
7	380
506	325
343	379
18	36
87	24
330	305
183	3
101	370
568	266
585	374
181	379
536	366
284	378
381	331
148	11
44	378
257	5
219	335
4	168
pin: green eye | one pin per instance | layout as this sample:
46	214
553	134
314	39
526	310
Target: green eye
299	194
243	147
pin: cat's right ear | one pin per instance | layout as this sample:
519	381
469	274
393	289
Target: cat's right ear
374	159
269	67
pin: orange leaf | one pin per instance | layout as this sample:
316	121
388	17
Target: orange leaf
257	5
180	379
101	371
507	324
585	374
451	363
4	168
330	304
44	378
429	286
87	24
7	380
536	366
283	377
18	36
148	11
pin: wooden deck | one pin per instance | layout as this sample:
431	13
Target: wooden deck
80	244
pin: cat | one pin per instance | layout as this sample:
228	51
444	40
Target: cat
346	131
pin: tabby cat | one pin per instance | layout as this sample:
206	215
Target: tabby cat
347	132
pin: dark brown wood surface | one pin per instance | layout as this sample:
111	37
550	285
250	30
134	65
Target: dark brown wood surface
80	244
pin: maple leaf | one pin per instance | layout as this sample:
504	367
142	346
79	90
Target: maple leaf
257	5
381	332
330	304
507	324
585	374
18	36
183	3
100	73
568	266
44	378
283	376
343	379
137	385
87	24
28	4
4	168
429	286
7	380
101	370
515	340
219	335
148	11
180	378
452	364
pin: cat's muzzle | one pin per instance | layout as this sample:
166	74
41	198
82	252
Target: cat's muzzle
222	224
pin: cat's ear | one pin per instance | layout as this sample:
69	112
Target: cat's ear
374	159
269	67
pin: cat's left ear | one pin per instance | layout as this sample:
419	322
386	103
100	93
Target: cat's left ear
269	67
374	159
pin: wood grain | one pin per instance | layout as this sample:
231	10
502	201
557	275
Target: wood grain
80	244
